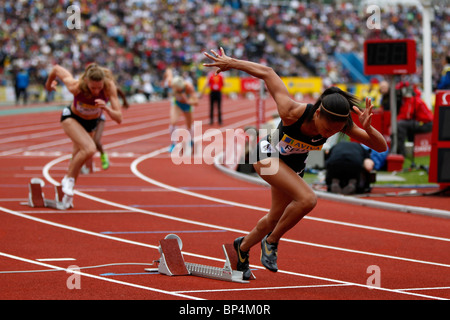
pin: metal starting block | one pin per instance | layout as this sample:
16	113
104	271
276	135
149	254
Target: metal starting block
171	263
36	197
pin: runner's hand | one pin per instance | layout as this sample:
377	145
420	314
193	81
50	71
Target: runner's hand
365	116
51	86
222	61
100	103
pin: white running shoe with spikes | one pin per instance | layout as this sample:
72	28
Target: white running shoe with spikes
67	184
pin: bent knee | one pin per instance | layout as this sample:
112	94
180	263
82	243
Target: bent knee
307	202
89	150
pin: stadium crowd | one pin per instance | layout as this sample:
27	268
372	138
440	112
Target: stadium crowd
139	39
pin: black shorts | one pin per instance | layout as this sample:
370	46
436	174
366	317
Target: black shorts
296	161
88	125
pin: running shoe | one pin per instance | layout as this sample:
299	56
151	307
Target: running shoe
243	259
67	185
67	201
84	169
105	161
269	254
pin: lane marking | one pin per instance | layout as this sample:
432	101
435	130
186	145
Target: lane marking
420	289
55	259
159	231
266	288
69	270
112	274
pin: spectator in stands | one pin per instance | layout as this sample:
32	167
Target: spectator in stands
348	167
413	117
122	35
444	83
22	83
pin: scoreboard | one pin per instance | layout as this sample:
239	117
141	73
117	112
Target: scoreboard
389	56
440	140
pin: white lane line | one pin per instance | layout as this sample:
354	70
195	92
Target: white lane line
423	289
74	271
55	259
264	288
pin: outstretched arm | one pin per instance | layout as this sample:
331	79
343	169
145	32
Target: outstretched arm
288	109
65	76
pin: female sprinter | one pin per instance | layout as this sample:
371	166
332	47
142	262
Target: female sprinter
303	127
98	132
184	99
91	95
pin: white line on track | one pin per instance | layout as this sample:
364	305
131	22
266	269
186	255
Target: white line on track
423	289
88	275
55	259
265	288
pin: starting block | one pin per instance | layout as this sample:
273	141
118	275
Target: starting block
36	197
171	263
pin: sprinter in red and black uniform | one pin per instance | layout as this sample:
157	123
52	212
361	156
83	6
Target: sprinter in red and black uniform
91	92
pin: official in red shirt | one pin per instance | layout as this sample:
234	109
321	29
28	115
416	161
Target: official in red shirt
215	84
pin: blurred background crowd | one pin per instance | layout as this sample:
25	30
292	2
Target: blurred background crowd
139	39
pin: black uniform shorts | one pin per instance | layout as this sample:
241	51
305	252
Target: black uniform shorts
88	125
295	161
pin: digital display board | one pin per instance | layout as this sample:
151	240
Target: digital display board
389	56
444	124
443	172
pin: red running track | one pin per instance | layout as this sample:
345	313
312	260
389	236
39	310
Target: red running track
338	252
